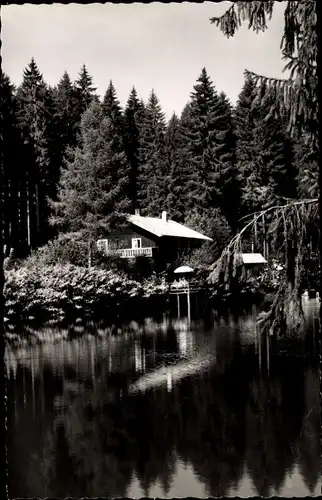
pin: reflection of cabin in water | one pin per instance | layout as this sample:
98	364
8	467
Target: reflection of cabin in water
251	263
159	239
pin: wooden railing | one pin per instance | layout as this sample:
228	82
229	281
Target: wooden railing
128	253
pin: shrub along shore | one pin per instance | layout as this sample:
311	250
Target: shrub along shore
59	294
54	293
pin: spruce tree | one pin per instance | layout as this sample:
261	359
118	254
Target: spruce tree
296	97
91	199
227	186
279	171
66	111
84	91
152	174
133	118
213	224
33	120
264	154
306	159
111	107
248	150
12	185
177	188
203	166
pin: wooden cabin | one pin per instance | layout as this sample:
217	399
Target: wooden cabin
160	239
252	263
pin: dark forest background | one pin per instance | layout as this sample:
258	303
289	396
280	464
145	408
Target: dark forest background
74	163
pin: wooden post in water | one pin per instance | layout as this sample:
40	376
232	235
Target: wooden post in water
188	303
178	304
267	352
33	387
260	352
256	334
255	232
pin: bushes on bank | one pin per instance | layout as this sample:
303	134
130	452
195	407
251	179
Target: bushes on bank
55	292
66	250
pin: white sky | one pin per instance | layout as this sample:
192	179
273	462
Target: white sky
160	46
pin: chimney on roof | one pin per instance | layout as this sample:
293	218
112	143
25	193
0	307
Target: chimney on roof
164	216
137	211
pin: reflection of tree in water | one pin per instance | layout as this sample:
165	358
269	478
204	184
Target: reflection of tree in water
309	438
274	413
214	421
212	437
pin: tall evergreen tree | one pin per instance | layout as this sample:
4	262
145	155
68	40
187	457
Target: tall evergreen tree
306	159
91	197
294	98
111	107
278	169
14	228
85	92
133	119
152	175
33	120
228	186
264	153
203	167
177	188
66	111
248	149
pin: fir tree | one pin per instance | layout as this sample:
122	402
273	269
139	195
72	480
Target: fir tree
152	175
296	97
111	107
213	224
278	171
66	111
13	188
33	121
203	167
85	92
91	199
264	154
177	189
228	185
306	159
133	118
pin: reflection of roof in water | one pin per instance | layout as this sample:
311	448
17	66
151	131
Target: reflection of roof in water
175	372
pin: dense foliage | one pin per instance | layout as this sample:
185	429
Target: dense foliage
80	163
74	165
283	168
295	97
55	292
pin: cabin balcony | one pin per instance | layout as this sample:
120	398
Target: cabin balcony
130	253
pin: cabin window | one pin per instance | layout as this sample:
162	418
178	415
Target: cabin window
136	243
114	244
102	245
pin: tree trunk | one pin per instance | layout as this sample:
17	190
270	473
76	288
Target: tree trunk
264	238
255	233
37	213
28	223
90	244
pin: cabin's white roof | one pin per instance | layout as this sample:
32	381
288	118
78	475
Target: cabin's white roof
161	227
253	258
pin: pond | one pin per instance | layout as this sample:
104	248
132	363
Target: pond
167	409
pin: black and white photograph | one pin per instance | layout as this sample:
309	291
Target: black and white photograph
160	249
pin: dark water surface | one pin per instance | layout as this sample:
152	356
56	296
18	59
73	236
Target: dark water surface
166	410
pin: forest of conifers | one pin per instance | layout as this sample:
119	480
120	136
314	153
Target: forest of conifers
74	163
